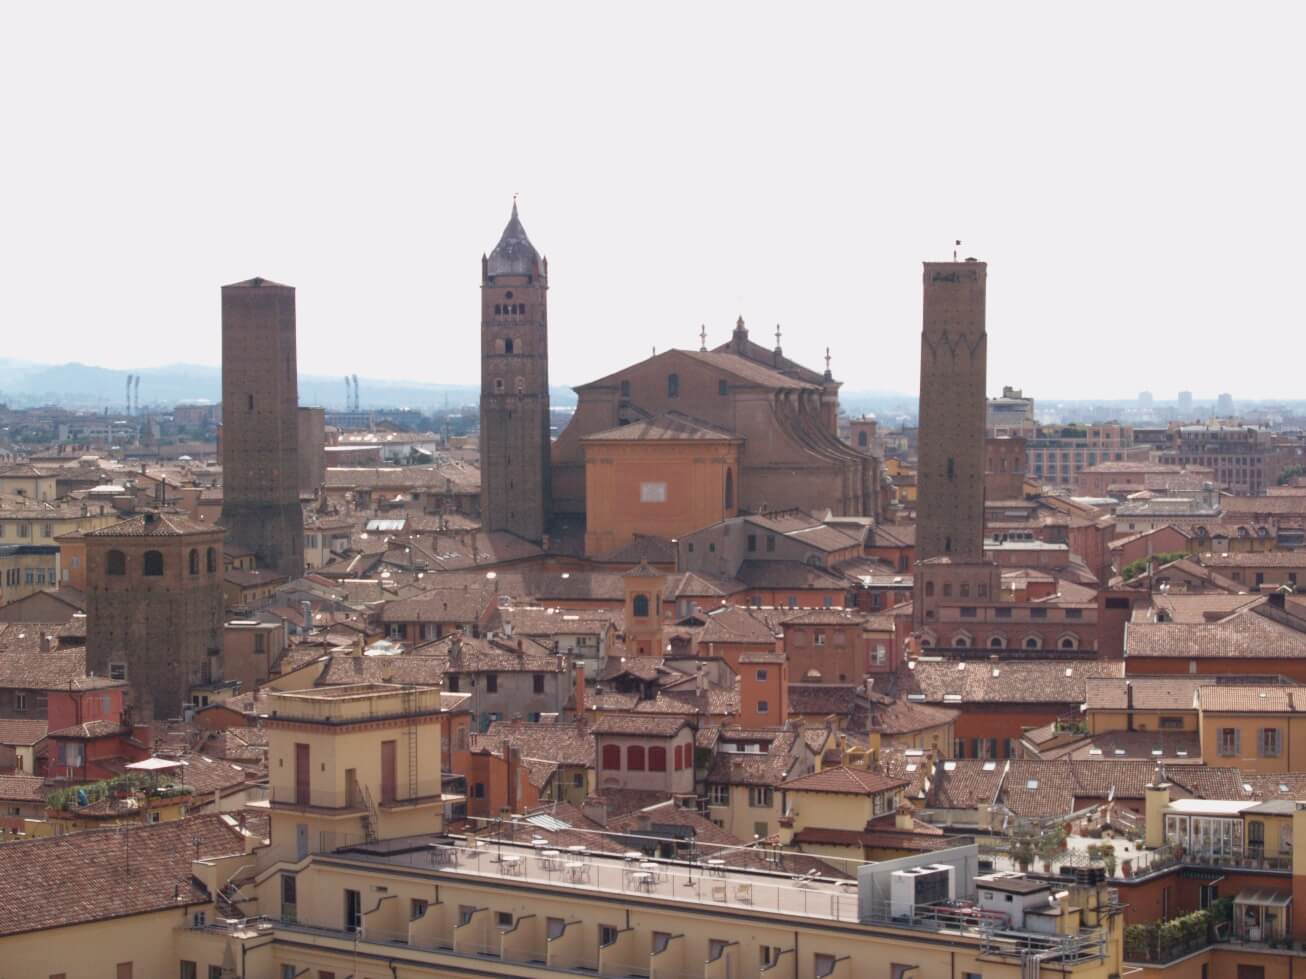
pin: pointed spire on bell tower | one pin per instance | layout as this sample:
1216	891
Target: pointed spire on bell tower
514	254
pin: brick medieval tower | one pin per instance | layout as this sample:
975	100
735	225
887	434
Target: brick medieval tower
260	425
515	465
950	475
154	607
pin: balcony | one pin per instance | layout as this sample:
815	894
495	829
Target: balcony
355	800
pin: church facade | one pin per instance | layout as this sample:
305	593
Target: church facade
783	416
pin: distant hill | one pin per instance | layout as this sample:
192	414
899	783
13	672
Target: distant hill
85	386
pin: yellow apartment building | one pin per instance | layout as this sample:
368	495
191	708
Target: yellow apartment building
1253	728
354	763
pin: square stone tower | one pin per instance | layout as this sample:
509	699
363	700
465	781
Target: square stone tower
260	425
954	350
515	463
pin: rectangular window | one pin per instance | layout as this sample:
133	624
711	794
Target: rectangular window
1229	739
20	701
763	707
718	795
215	972
117	671
652	492
822	964
752	542
761	830
770	543
416	908
189	970
760	796
537	682
353	910
607	934
1038	613
504	919
124	970
491	683
1172	723
1271	743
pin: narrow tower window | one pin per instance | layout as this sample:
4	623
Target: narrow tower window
507	346
952	469
673	385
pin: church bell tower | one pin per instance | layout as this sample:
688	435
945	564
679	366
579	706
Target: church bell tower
515	386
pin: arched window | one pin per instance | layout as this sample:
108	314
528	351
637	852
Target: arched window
635	758
730	488
115	563
640	606
193	561
498	309
1031	642
508	346
996	643
657	759
499	346
862	440
612	758
673	385
1068	642
927	642
211	561
961	642
152	564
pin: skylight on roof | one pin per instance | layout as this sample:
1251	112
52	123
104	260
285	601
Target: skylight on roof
1032	784
911	768
1247	787
949	766
990	766
1094	751
1156	752
1282	787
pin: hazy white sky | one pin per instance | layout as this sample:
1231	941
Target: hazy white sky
1133	173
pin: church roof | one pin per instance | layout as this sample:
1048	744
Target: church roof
514	254
257	282
741	368
759	354
666	426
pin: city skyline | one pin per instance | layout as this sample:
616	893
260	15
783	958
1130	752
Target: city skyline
666	198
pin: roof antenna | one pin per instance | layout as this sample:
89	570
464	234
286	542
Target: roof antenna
956	242
702	338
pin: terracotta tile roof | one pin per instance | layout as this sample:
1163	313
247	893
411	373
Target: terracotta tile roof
35	670
21	731
1244	635
844	781
1150	693
85	876
825	616
735	624
822	698
788	574
769	767
748	370
643	547
1008	681
154	524
880	839
90	731
646	668
904	717
1195	609
1234	506
668	426
21	788
1130	746
696	584
635	724
206	775
454	605
1260	559
966	783
1248	699
540	621
564	742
